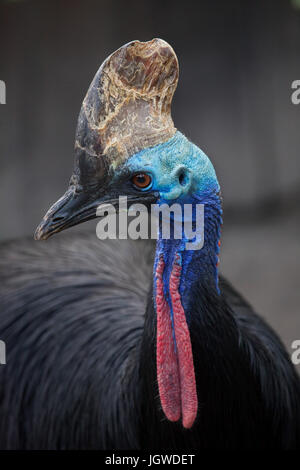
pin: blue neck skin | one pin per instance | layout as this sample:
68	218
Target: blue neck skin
183	174
198	266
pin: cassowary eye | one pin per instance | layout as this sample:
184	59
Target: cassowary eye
142	181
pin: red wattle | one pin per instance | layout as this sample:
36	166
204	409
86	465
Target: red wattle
189	400
175	370
166	361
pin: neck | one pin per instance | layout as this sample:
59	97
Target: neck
198	266
177	272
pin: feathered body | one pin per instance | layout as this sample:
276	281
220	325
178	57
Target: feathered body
81	371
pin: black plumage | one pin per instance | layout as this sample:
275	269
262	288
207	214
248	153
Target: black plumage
78	317
78	320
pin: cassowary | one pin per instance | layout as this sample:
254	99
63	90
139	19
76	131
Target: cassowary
121	344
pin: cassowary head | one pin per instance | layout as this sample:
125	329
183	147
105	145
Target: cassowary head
127	145
126	142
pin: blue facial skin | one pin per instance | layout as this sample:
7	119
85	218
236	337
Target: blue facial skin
183	174
165	162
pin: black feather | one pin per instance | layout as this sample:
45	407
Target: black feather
80	370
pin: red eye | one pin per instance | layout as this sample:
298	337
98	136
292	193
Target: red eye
141	180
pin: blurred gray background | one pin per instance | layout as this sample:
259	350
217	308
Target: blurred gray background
238	61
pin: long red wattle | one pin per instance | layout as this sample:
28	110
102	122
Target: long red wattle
166	361
189	400
175	370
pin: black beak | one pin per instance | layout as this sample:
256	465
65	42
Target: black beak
71	209
75	207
